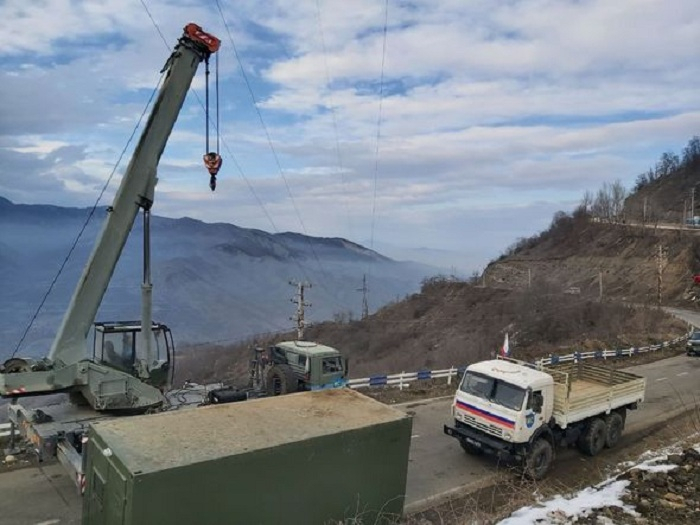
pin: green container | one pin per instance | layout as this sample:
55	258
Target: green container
308	458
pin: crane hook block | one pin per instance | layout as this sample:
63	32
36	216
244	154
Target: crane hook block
196	33
212	161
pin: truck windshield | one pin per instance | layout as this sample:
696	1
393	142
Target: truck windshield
494	390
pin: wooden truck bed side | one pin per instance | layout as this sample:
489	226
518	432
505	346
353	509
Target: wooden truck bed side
582	390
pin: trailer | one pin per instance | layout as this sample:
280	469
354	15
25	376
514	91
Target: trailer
327	456
522	412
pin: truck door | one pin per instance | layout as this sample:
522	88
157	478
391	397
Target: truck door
534	411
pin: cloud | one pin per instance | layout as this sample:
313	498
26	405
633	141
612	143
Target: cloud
493	114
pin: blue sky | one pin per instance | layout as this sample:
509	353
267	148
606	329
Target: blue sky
495	114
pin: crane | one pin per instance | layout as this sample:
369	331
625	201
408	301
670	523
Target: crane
131	362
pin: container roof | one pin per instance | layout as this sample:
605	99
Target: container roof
308	348
156	442
512	373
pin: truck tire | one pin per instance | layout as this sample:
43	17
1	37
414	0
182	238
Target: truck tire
539	459
470	449
281	380
614	424
594	437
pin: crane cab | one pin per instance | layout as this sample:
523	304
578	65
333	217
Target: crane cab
120	345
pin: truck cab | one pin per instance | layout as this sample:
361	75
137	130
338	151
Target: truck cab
503	399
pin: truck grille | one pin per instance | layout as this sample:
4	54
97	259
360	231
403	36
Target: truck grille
480	425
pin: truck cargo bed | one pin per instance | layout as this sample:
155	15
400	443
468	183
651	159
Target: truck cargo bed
582	390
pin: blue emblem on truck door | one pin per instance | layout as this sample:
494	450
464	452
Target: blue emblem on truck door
530	419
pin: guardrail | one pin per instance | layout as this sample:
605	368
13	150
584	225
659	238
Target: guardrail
403	379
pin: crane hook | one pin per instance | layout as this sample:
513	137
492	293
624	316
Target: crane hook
212	161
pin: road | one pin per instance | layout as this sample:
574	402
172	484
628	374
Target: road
437	465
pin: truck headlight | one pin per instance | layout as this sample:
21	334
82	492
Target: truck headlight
507	434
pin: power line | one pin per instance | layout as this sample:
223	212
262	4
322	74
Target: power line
334	118
274	152
259	201
379	124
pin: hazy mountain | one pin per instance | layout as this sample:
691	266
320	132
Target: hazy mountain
211	281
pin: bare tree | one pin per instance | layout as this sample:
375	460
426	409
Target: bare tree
618	194
691	153
668	163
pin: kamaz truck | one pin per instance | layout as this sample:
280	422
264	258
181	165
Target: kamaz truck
522	412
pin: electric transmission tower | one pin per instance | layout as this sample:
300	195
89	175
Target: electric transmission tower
298	299
365	291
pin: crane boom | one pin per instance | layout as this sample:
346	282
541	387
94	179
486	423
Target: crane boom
135	192
109	381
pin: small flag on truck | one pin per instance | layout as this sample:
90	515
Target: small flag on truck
505	349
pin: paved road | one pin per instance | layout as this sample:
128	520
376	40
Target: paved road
33	496
437	467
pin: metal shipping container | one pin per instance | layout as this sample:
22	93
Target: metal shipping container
307	458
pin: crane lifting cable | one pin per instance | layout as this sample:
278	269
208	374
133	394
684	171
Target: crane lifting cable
212	159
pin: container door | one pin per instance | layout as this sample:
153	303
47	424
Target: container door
105	491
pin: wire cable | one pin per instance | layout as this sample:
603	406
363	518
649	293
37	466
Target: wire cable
271	145
233	158
331	106
89	217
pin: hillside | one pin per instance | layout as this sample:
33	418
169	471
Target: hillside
591	280
211	281
614	251
452	323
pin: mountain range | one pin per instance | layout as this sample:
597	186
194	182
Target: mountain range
212	282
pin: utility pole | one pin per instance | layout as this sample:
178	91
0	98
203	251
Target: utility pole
365	291
660	265
600	286
301	304
644	212
529	278
692	204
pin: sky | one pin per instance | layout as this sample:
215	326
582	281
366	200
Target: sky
434	130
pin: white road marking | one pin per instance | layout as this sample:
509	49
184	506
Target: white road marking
683	374
662	379
415	436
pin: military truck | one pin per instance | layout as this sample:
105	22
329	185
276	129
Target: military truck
521	412
287	367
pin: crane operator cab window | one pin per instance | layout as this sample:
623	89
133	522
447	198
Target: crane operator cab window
118	351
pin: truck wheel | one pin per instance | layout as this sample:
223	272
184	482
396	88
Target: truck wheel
593	438
614	425
470	449
539	459
281	380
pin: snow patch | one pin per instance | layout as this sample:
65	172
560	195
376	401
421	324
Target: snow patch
560	508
